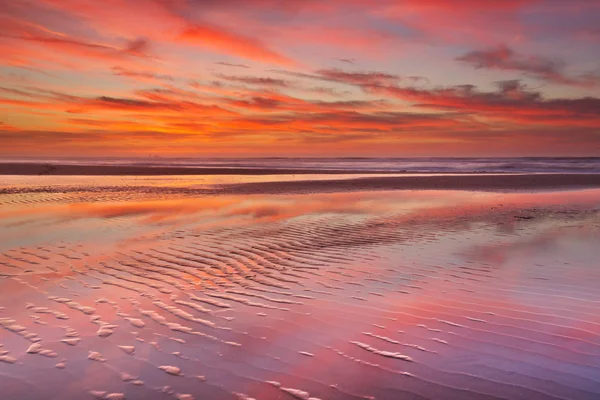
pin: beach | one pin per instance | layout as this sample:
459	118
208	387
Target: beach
299	200
308	180
128	284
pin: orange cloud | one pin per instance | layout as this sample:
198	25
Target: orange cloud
223	41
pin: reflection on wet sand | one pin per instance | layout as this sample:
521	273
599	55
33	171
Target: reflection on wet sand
395	295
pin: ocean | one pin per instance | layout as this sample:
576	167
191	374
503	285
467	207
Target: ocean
360	164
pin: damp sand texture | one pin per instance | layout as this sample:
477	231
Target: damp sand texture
114	288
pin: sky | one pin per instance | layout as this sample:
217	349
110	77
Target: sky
299	78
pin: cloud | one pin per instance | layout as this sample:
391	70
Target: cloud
138	46
226	64
270	101
162	101
336	75
126	103
542	68
222	41
358	78
62	45
7	127
142	23
253	80
349	124
512	101
141	75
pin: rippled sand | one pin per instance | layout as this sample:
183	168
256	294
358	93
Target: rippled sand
131	291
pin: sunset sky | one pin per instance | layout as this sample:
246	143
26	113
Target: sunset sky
251	78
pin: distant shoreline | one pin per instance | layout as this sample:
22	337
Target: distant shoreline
408	181
40	169
117	170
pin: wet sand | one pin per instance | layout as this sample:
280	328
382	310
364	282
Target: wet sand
406	181
491	182
114	170
277	183
122	290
